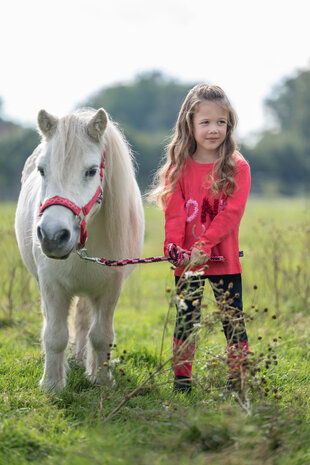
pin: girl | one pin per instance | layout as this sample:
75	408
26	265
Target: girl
203	188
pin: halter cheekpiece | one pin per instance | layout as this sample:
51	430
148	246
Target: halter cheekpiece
80	212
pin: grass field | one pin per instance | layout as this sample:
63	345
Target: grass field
270	425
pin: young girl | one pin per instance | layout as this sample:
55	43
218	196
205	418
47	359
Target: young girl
203	188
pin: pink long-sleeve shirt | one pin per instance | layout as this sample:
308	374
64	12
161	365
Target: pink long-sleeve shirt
194	216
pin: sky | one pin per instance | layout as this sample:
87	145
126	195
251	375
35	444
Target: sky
55	54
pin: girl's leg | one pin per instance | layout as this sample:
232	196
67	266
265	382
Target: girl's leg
228	293
189	295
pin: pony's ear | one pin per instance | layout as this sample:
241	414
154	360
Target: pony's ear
47	124
97	125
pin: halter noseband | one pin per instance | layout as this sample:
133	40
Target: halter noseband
80	212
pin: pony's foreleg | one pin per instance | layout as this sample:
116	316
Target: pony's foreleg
81	330
101	337
55	339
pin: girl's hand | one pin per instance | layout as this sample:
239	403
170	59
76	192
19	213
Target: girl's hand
198	257
186	258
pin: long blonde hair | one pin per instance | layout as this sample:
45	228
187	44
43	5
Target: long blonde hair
183	146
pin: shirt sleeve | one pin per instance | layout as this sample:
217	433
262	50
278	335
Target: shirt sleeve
228	219
175	218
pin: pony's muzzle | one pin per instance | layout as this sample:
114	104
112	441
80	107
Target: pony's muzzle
57	238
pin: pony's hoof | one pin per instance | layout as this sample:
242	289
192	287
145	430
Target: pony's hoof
50	386
102	378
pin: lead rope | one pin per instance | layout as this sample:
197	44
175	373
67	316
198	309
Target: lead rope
175	256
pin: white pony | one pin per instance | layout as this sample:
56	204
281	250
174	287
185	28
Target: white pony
82	159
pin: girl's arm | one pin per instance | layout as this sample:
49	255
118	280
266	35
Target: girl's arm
175	218
228	219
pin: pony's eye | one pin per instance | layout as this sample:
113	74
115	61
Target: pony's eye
41	171
91	172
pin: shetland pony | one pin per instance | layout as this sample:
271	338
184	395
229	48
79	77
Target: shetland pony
79	179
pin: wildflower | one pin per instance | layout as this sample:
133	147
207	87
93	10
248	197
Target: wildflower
189	274
105	364
165	404
180	302
168	289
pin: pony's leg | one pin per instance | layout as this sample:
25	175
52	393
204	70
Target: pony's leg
101	336
55	306
81	330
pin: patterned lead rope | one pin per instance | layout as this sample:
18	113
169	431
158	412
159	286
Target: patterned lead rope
175	256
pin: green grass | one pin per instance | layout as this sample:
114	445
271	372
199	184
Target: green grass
155	426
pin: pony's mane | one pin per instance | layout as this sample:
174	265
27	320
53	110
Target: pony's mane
120	198
119	184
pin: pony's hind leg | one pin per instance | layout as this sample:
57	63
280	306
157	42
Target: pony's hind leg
81	330
55	338
101	337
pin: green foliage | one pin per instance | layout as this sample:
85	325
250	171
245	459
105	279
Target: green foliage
146	110
154	425
15	147
290	104
149	104
280	160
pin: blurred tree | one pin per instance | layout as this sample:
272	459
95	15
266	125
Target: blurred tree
290	104
147	110
150	103
15	147
281	158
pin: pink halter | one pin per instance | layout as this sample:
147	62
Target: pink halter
80	212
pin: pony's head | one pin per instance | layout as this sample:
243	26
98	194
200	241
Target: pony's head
71	165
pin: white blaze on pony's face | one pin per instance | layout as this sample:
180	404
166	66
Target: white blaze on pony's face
69	165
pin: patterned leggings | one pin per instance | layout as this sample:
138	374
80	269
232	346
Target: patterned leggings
190	292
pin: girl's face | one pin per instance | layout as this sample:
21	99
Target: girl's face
210	128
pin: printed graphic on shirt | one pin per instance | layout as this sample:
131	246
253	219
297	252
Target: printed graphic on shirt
207	209
223	204
192	209
197	236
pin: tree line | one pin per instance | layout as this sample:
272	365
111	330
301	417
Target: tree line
146	111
